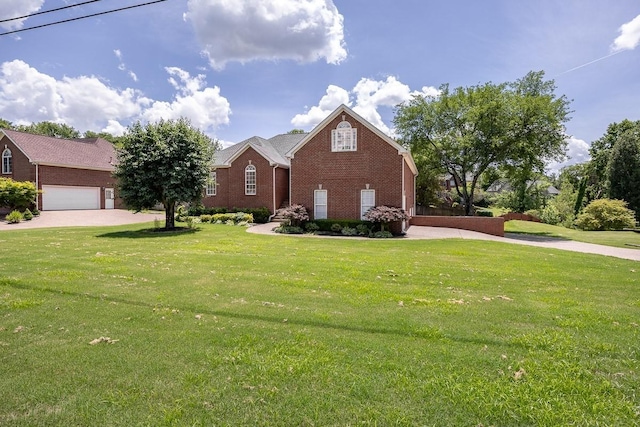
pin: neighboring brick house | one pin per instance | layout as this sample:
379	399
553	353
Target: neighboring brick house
344	166
72	173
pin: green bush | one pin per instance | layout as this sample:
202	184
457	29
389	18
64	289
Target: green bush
17	194
606	214
484	213
35	212
288	229
325	224
311	227
349	231
28	216
206	218
550	215
363	229
336	228
260	215
382	235
14	217
231	218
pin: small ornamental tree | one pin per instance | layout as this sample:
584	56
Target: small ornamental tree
606	214
384	215
167	162
295	215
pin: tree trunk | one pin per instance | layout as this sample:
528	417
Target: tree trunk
170	215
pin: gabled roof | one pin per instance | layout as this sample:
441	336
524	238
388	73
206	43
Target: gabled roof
86	153
273	150
343	109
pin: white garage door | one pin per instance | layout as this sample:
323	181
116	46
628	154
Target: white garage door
61	198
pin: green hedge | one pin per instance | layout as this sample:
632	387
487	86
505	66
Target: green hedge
260	215
325	224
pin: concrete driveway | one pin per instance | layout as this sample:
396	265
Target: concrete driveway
83	218
420	232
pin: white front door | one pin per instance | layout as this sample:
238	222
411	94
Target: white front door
109	197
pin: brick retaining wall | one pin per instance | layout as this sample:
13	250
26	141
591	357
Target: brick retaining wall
487	225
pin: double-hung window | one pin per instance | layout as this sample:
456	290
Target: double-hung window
367	201
7	166
320	204
250	188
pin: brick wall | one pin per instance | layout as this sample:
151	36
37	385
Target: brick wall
519	216
231	189
53	175
22	168
487	225
345	174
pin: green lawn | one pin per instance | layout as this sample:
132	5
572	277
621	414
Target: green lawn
622	239
222	327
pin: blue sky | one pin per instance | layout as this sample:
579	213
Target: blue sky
239	68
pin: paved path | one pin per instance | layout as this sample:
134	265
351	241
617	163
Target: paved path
83	218
420	232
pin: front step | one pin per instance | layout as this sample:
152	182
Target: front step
278	217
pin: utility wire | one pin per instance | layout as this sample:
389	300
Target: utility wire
82	17
48	11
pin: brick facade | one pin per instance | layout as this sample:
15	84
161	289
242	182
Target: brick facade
375	165
23	170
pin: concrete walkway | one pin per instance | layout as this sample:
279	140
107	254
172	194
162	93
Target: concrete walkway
419	232
83	218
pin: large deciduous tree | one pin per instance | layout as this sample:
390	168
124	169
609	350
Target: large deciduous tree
516	127
167	162
56	130
623	169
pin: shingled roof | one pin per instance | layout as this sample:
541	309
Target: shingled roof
272	149
85	153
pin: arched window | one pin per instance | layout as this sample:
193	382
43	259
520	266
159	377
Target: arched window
344	137
250	180
7	166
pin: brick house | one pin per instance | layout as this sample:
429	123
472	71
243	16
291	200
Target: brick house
72	173
344	166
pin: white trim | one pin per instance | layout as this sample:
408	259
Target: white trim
250	188
368	206
273	187
316	204
9	169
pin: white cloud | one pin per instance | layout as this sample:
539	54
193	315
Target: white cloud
10	9
334	97
369	96
629	37
577	152
123	67
204	106
249	30
87	103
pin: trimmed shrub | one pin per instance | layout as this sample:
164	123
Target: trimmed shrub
385	215
484	213
348	231
295	215
28	216
325	224
336	228
14	217
363	230
382	235
606	214
17	194
311	227
206	218
288	229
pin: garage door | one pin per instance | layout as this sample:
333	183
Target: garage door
60	198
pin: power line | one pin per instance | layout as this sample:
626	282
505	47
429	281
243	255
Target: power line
48	11
82	17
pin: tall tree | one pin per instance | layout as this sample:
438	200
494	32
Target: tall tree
5	124
514	126
57	130
600	151
167	162
623	169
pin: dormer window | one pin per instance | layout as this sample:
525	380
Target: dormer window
7	166
344	137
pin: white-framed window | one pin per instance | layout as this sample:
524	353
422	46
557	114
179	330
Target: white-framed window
367	201
250	180
211	184
344	137
320	204
7	161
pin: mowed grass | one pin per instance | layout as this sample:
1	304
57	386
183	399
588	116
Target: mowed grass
621	239
222	327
